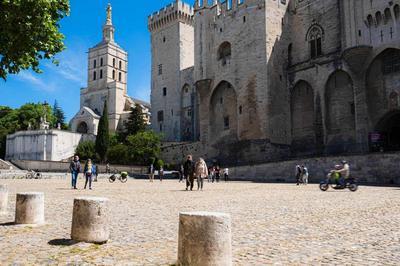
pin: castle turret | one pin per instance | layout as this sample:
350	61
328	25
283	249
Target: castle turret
172	37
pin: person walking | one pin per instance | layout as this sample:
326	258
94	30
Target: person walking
151	173
201	173
75	169
226	174
96	172
304	174
161	173
217	174
298	174
189	169
108	169
181	173
89	171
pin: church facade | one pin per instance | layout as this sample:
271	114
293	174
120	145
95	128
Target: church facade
261	80
107	81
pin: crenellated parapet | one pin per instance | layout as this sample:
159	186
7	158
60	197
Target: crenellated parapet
177	11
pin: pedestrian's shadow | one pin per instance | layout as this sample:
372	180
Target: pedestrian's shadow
62	242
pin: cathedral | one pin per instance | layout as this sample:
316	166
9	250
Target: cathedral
246	81
107	81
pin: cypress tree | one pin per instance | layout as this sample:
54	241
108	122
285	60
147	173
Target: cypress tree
135	122
103	135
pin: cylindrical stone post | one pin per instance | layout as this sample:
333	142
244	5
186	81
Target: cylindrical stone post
204	239
90	220
3	199
29	208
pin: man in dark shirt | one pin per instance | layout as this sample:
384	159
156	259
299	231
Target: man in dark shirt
188	171
75	168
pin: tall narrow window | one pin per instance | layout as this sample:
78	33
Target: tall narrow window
101	61
94	63
378	18
120	64
290	47
164	91
160	69
314	37
101	73
94	75
396	10
113	62
120	76
226	122
224	52
113	75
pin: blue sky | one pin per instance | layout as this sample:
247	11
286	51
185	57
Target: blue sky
83	29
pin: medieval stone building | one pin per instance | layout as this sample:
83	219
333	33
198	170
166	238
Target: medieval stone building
260	80
107	81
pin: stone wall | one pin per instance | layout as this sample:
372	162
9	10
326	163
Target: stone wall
376	168
5	165
53	145
62	167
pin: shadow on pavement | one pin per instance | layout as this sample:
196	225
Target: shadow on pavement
62	242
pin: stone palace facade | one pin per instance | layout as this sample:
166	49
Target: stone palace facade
260	80
107	81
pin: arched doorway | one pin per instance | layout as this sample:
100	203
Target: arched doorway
389	127
82	128
303	118
382	99
223	113
340	113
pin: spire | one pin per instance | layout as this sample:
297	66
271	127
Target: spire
108	29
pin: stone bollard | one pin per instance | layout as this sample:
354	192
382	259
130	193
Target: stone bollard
204	239
3	199
90	220
29	208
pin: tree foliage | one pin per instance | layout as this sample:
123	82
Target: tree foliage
12	120
29	32
118	154
135	122
144	147
86	150
59	116
103	135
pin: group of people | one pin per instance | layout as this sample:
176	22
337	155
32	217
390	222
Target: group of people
152	171
339	174
191	170
90	171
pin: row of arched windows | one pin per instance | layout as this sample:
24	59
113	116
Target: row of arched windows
383	18
102	63
113	75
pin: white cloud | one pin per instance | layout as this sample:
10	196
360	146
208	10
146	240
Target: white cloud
37	82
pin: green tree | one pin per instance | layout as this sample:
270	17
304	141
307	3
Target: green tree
144	147
86	150
118	154
103	135
29	32
12	120
59	115
135	122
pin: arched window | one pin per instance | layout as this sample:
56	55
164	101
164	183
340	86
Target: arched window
396	10
94	75
120	64
370	20
94	63
378	17
113	75
101	73
388	16
224	52
120	76
314	37
101	61
113	62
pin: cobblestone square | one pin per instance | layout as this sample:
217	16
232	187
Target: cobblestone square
271	224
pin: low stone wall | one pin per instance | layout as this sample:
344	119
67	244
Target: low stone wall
5	165
63	167
375	168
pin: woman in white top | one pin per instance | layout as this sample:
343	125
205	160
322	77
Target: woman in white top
201	173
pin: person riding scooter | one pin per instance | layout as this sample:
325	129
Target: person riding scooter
344	173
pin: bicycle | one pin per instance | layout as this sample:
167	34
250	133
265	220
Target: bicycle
123	177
